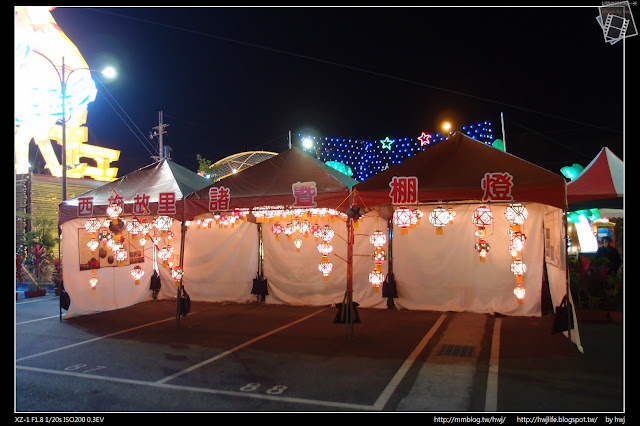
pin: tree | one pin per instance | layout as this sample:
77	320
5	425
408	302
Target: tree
207	170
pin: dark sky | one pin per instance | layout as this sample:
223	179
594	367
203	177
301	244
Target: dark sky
233	79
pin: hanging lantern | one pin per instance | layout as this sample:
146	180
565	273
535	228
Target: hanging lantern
482	217
376	278
92	225
120	255
163	223
516	243
93	244
519	291
93	281
516	213
289	230
176	274
439	218
316	231
325	268
325	248
402	217
134	226
137	272
416	216
482	247
277	229
518	268
113	211
224	221
165	254
298	243
104	236
305	228
145	227
326	233
378	239
378	256
452	214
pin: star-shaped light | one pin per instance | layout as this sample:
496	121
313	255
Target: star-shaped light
386	143
424	139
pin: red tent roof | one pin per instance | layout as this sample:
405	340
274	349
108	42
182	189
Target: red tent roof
453	170
269	183
599	185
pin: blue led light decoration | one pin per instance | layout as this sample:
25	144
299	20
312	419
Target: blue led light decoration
365	158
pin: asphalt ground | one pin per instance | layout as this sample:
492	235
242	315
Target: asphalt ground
256	357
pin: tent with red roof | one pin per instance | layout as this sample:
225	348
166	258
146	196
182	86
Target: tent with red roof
600	185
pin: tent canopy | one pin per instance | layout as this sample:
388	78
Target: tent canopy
271	181
453	170
600	185
163	176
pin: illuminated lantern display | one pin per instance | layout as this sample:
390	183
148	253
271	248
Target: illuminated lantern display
289	230
516	213
163	224
305	228
93	245
298	243
134	226
378	239
325	248
93	281
378	256
113	212
417	215
120	255
176	274
519	291
376	278
92	225
325	267
452	215
316	231
165	254
481	218
482	247
439	218
326	233
137	272
145	227
518	268
104	237
516	243
402	218
277	229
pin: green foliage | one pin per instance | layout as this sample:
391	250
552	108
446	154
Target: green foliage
40	241
594	287
206	169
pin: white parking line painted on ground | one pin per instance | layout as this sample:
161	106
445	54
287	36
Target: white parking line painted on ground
93	340
402	371
230	351
278	398
37	319
491	399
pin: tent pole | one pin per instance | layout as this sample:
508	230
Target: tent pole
567	275
183	234
504	138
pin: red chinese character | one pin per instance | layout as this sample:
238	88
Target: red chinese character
304	194
141	204
497	187
167	203
85	206
219	198
114	198
404	190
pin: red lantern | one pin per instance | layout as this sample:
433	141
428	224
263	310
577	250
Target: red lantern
93	281
482	217
92	225
134	226
376	278
165	254
120	255
518	268
482	247
402	218
113	211
516	243
137	272
176	274
316	231
325	268
277	229
93	245
326	233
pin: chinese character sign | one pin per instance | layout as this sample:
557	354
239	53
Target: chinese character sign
219	199
141	204
404	190
497	187
115	198
85	206
167	203
304	194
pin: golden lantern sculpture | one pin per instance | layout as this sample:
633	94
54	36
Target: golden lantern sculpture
137	272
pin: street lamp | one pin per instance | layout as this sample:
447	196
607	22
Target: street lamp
109	72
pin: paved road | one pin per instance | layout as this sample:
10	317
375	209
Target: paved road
266	358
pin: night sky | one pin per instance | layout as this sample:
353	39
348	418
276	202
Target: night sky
234	79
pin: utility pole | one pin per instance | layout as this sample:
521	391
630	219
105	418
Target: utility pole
504	138
159	131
